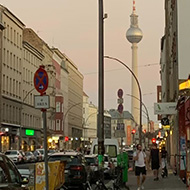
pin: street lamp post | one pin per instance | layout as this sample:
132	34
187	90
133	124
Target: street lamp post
66	113
147	114
140	94
101	87
86	123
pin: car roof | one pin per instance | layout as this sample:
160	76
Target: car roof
65	154
91	156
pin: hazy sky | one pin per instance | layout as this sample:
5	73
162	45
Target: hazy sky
72	26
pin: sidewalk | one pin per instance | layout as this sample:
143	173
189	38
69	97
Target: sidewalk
172	182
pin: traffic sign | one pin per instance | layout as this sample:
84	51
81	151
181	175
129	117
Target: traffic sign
120	108
120	93
41	102
41	80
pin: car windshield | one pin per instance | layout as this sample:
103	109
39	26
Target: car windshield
28	153
51	151
130	152
11	152
71	160
91	160
41	151
110	150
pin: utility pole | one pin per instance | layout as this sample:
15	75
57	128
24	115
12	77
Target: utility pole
101	87
1	63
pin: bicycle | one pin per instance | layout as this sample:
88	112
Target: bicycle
118	183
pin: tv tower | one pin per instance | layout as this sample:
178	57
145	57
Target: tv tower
134	36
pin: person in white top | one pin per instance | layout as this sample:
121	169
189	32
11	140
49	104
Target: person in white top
140	159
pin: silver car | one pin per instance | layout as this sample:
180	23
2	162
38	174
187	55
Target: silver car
14	155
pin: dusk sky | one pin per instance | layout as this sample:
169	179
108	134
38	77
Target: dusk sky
72	26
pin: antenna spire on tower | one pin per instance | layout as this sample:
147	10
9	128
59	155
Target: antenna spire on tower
134	7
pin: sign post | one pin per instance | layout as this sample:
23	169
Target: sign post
41	85
120	122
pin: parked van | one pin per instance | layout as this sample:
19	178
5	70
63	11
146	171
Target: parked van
111	148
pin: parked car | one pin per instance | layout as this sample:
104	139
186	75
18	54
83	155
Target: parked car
37	155
75	169
14	155
51	151
23	156
109	167
30	156
92	167
130	154
10	178
41	150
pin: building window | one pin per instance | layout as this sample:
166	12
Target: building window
11	59
17	39
4	55
13	114
57	125
4	85
8	32
10	85
7	84
11	34
4	111
7	57
13	86
31	124
14	65
57	106
4	31
14	37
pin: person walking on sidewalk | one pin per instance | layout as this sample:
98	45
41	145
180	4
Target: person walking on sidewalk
140	159
155	161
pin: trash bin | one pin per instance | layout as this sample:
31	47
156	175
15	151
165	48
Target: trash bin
122	161
56	175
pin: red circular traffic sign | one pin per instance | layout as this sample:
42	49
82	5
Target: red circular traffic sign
41	80
120	108
120	93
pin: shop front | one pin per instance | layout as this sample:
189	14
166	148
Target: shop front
9	137
31	139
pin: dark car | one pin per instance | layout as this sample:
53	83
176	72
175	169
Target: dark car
92	167
10	178
75	169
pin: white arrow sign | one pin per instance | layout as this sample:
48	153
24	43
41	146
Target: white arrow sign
41	102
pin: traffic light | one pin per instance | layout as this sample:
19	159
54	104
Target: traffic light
153	140
133	131
66	138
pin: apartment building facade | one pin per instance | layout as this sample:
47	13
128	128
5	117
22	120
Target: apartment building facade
75	103
174	70
22	52
11	78
32	38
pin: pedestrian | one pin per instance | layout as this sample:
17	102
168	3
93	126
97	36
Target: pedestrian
139	157
164	154
155	161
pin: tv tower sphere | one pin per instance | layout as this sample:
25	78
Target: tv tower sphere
134	33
